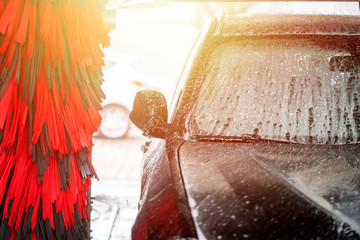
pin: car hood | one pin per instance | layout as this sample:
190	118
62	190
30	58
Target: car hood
272	190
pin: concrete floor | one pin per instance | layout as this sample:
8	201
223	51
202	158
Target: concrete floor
115	196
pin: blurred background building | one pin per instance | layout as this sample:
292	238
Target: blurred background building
162	36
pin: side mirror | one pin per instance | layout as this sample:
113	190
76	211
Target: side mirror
149	113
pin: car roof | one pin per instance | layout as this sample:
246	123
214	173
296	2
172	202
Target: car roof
289	24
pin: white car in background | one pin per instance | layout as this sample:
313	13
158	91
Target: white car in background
121	82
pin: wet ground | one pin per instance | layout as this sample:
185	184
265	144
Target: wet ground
115	196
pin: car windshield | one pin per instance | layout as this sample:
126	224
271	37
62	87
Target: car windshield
302	90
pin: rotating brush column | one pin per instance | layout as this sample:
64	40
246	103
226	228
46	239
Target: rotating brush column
50	79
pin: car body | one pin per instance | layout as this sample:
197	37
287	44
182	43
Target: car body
121	82
263	136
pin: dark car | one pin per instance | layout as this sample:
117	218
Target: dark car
263	136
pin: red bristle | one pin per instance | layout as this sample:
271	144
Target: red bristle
45	20
35	212
20	36
5	44
8	164
41	100
11	54
32	29
47	53
2	7
23	117
8	17
53	43
59	37
5	103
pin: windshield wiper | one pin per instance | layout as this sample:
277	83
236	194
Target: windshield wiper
243	138
246	138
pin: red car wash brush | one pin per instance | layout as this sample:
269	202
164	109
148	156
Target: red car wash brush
50	78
